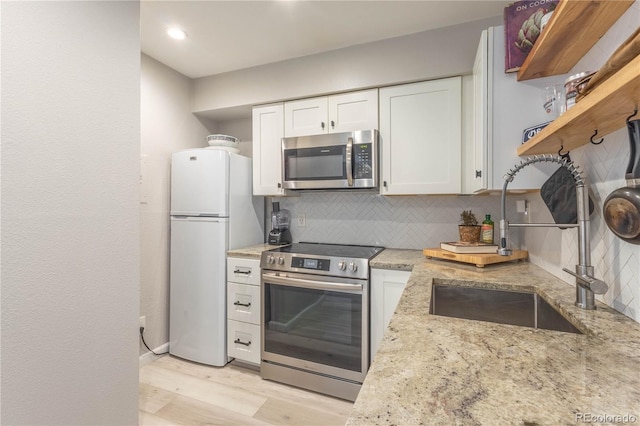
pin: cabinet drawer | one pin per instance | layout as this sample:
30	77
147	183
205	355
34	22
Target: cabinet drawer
243	302
243	271
243	341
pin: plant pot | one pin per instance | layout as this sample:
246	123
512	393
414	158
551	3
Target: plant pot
469	234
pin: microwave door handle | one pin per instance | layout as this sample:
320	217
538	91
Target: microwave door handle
349	161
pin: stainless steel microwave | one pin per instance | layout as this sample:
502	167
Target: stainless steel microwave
346	160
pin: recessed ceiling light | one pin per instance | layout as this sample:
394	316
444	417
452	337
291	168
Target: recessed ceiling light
176	33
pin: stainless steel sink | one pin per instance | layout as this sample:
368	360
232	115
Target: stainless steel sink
500	306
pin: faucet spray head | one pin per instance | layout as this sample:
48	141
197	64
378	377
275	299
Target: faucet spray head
503	248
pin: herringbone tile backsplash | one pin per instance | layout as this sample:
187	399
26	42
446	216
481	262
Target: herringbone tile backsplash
614	260
415	222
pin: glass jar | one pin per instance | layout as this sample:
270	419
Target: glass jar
571	87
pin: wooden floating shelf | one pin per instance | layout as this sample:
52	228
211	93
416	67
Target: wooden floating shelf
573	29
605	109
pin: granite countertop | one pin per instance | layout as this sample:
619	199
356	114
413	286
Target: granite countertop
440	370
251	252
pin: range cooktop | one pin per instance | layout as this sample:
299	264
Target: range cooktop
318	258
331	250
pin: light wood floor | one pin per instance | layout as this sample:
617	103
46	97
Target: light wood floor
178	392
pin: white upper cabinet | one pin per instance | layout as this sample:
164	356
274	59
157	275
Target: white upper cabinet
420	131
305	117
331	114
268	131
502	109
353	111
477	175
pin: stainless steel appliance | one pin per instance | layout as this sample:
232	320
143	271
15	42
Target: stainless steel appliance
347	160
315	317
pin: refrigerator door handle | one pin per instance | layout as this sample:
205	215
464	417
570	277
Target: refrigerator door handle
200	218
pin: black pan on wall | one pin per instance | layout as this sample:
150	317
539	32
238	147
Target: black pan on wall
621	209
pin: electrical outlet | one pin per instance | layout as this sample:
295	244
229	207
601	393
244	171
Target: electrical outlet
302	220
143	321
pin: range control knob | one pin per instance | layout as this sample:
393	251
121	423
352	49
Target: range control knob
353	267
281	260
270	259
342	265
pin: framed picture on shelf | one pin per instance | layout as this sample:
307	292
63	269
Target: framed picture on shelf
523	23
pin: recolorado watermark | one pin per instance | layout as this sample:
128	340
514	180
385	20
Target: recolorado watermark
606	418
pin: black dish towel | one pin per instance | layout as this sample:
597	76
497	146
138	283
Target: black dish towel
559	194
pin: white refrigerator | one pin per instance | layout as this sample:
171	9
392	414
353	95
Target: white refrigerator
212	211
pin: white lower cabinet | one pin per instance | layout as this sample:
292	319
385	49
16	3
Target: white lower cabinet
243	302
386	289
243	309
243	341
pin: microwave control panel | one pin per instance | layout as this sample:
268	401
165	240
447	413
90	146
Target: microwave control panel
363	161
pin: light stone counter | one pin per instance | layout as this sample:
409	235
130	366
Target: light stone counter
440	370
251	252
399	259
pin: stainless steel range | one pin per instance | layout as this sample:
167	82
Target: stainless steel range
315	316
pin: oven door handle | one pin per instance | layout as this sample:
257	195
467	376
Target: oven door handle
312	284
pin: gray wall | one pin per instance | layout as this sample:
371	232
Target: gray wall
422	56
167	126
70	221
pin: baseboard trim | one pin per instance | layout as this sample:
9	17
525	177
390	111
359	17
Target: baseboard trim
148	358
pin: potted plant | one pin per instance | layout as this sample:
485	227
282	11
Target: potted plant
469	228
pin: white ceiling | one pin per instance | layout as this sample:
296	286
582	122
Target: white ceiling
230	35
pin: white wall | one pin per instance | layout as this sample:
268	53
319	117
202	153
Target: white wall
70	223
615	261
414	57
240	128
167	125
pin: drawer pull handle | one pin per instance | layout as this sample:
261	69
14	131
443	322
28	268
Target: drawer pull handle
240	342
246	305
241	271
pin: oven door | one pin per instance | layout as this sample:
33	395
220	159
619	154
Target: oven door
317	324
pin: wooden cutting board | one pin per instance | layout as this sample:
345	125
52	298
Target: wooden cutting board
478	259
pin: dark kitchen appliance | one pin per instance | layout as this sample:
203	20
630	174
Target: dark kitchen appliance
280	223
621	209
315	316
347	160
